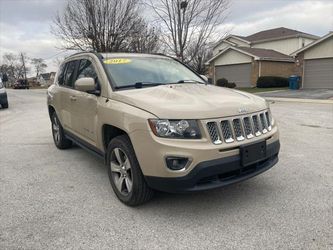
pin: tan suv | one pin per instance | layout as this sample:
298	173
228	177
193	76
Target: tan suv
158	125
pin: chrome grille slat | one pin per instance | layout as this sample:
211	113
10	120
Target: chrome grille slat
226	131
248	127
214	132
269	126
256	125
263	123
238	129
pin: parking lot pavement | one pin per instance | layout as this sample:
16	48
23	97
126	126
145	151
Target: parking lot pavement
53	199
320	94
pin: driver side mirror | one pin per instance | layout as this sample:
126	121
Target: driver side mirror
86	84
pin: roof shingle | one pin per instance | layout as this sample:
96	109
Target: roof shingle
274	33
265	53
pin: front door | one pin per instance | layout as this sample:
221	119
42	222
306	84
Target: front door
84	110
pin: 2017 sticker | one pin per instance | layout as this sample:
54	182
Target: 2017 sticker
117	61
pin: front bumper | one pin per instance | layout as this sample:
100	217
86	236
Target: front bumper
3	98
216	173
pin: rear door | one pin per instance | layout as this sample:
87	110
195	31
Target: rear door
67	94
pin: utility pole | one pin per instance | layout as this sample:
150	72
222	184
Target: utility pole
23	64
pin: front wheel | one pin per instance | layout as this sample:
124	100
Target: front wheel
125	173
58	133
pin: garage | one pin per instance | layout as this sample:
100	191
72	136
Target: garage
318	73
316	63
237	73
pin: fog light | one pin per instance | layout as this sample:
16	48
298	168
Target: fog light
176	163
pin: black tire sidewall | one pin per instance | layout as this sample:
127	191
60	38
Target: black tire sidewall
63	142
124	144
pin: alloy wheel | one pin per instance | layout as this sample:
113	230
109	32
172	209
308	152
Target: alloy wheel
121	171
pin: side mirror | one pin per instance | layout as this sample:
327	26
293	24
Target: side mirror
204	77
86	84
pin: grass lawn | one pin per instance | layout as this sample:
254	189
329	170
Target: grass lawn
257	90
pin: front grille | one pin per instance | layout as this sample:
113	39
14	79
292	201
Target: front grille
239	128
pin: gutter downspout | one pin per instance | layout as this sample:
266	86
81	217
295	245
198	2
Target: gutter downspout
259	68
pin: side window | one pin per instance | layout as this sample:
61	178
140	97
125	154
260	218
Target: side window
61	74
69	75
86	69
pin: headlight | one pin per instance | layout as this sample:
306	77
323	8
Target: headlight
183	129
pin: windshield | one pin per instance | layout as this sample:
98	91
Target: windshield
149	71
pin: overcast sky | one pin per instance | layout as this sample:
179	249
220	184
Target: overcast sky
25	24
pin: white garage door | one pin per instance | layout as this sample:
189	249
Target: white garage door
318	73
237	73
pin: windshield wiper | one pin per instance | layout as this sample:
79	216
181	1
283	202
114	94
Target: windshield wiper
138	85
188	81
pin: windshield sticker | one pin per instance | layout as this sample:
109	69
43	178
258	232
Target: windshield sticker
117	61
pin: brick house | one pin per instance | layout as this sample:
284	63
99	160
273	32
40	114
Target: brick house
266	53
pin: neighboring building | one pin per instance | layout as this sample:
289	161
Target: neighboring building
243	59
46	79
314	63
32	81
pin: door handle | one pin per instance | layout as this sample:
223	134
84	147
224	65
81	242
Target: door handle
72	98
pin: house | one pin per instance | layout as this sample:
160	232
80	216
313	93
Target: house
32	81
46	79
314	63
242	59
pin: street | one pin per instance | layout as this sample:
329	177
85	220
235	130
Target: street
61	199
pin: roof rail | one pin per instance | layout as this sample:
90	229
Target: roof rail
90	51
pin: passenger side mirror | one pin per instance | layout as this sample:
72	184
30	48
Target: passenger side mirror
86	84
204	77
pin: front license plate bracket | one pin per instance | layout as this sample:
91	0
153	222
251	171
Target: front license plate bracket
252	153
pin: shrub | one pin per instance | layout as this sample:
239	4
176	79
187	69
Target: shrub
231	85
272	82
222	82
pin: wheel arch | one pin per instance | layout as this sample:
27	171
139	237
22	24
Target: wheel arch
109	132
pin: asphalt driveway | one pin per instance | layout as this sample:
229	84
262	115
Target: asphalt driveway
62	199
322	94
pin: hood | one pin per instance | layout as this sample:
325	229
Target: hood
191	101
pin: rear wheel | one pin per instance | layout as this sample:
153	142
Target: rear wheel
59	137
125	173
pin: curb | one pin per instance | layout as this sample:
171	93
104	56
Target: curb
275	99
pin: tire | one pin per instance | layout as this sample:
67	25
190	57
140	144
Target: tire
5	105
126	176
58	133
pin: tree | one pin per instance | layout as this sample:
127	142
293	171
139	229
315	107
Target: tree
39	65
10	66
200	57
15	66
101	25
145	39
188	25
22	68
